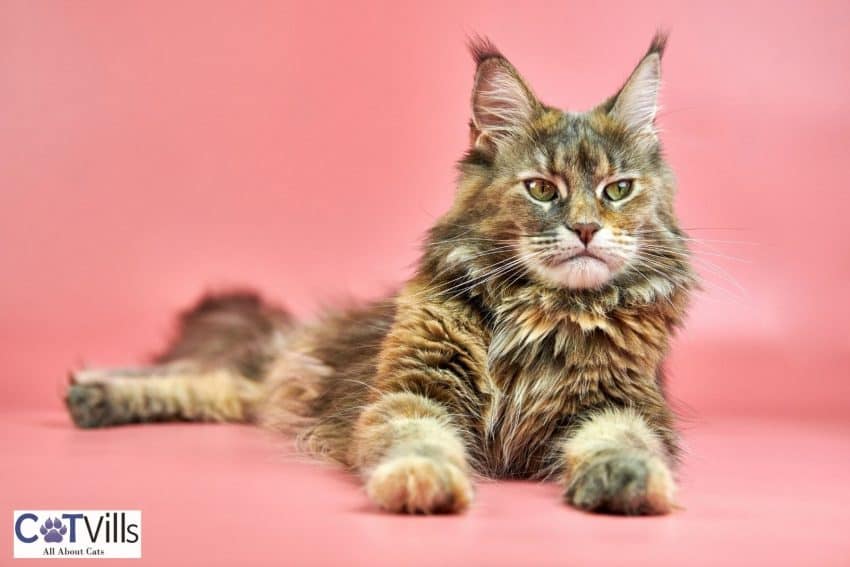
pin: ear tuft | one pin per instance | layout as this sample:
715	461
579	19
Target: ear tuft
659	43
481	49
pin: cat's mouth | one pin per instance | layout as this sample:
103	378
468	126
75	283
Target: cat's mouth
582	270
583	255
586	254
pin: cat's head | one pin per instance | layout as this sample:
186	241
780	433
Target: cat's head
575	200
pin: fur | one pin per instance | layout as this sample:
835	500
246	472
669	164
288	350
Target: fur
517	350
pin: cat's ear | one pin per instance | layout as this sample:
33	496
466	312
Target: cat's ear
502	103
637	102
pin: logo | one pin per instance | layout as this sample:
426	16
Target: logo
88	534
53	530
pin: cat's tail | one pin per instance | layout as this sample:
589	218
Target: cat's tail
235	330
213	370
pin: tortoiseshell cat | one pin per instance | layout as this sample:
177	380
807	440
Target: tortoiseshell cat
529	344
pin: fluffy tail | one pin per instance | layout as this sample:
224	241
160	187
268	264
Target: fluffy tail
237	331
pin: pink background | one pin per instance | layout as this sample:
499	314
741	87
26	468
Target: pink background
152	150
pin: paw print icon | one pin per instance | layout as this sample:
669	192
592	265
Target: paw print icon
53	530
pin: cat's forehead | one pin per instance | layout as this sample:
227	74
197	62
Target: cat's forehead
580	143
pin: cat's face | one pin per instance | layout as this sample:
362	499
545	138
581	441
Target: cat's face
577	200
577	197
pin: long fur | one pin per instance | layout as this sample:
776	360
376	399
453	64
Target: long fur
477	366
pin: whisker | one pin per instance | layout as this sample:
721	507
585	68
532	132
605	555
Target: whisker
706	265
463	276
700	240
674	251
491	274
483	279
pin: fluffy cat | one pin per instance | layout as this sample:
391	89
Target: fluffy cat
529	343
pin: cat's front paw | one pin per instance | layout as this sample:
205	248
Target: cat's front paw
416	484
622	482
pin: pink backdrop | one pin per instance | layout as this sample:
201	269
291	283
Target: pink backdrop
149	151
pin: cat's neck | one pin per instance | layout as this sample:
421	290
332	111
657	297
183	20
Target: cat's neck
532	324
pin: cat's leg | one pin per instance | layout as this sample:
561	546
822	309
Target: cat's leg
411	456
169	392
411	438
93	375
614	461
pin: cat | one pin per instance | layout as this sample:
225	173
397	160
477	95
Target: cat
528	344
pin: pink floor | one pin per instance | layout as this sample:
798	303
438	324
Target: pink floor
753	493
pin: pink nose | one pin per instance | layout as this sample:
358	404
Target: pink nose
585	231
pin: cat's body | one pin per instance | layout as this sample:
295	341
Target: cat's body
529	344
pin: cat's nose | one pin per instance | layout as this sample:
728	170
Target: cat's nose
585	231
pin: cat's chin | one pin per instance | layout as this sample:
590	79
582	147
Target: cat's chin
583	272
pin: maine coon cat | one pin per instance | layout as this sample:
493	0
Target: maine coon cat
528	344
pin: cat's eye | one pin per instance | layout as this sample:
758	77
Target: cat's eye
541	189
618	190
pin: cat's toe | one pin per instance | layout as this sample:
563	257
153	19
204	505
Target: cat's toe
416	484
88	405
622	482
